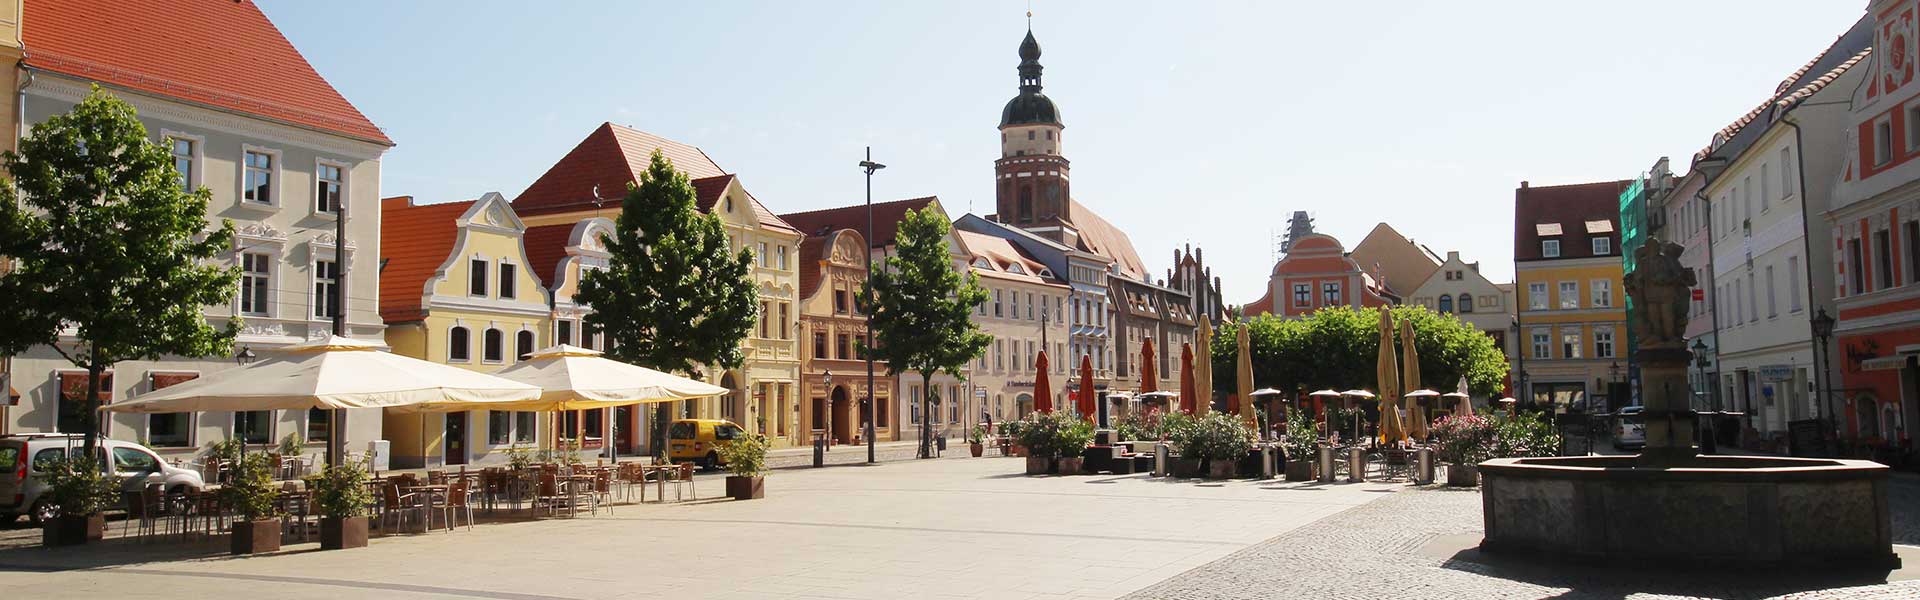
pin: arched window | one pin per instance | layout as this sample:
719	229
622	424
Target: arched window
1466	303
1026	203
494	346
523	344
459	345
1446	304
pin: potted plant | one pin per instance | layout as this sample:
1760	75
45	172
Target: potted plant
1036	435
251	494
340	494
746	460
1525	435
1010	433
518	457
1301	444
1462	442
293	445
81	490
976	440
1218	440
1070	441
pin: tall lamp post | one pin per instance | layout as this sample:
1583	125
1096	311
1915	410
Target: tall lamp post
1708	443
1822	332
869	166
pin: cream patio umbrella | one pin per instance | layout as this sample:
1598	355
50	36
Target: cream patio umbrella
1410	381
1244	377
1387	371
573	378
333	373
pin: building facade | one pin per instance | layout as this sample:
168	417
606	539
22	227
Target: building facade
280	168
589	182
1571	318
1024	314
459	290
1678	212
1398	264
1457	288
1316	273
833	269
1190	275
1875	229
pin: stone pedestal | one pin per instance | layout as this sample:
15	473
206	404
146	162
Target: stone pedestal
1670	421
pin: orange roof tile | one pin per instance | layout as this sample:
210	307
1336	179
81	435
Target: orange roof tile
546	247
414	241
886	218
191	50
1002	253
1102	238
610	158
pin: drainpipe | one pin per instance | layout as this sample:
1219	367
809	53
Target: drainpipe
1712	295
1824	351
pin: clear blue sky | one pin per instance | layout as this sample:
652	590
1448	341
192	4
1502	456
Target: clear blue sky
1201	122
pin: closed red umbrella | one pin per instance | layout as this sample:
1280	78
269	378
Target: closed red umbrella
1085	400
1148	381
1042	389
1187	394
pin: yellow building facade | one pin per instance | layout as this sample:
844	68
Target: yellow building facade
1571	315
459	290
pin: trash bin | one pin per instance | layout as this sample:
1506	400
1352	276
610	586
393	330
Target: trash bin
1326	463
819	451
1160	452
1356	464
1423	466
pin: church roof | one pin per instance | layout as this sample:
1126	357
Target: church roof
1102	238
1030	107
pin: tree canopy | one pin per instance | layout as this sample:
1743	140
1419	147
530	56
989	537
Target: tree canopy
1336	348
922	307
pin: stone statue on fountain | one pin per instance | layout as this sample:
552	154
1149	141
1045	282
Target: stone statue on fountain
1661	290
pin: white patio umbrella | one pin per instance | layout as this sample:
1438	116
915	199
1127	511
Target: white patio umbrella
332	373
573	378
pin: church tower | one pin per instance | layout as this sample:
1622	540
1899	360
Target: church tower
1031	189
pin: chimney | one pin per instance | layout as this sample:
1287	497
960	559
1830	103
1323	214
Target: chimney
1523	184
1453	255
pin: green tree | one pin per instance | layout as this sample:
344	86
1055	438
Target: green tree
108	243
921	309
673	297
1335	348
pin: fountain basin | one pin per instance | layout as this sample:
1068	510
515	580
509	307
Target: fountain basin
1735	512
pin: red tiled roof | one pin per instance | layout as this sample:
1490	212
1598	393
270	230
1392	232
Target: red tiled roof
1571	206
1102	238
1263	306
611	157
1819	83
1002	253
227	55
414	241
546	247
886	218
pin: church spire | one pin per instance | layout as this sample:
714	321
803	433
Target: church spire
1030	64
1030	107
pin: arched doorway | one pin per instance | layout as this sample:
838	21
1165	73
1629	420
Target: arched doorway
1022	405
841	419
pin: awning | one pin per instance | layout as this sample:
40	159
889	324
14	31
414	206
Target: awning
1602	226
1546	229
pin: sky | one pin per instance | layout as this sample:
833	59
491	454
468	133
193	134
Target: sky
1204	123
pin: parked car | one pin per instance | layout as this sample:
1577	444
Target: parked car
698	440
135	465
1629	428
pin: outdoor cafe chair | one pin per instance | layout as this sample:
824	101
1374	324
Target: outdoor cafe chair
548	494
398	507
682	479
455	504
603	489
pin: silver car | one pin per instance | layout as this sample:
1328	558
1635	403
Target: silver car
135	465
1630	428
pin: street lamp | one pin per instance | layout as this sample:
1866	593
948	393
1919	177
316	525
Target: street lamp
1822	332
1700	362
245	356
869	166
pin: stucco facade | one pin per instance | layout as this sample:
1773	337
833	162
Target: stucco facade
1023	312
1458	288
1316	273
1571	314
835	392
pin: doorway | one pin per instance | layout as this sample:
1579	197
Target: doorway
842	417
455	450
623	428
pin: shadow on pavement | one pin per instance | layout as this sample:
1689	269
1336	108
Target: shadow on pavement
1597	581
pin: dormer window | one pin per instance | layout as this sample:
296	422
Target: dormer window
1015	269
1550	248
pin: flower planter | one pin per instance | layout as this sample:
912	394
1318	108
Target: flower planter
746	488
1221	468
1299	470
1038	465
255	537
73	531
337	533
976	449
1019	450
1186	468
1071	465
1463	475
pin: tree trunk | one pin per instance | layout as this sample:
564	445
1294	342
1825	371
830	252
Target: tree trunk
91	420
926	415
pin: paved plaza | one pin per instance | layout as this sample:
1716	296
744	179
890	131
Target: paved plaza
951	528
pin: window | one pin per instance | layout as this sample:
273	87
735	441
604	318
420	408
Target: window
1569	295
1602	246
1550	248
1856	267
1570	343
130	460
1753	306
257	181
1030	316
256	274
477	277
326	195
1466	303
319	424
1537	296
786	317
1786	171
494	346
253	426
499	427
183	161
999	355
1330	293
563	331
1603	343
459	347
1793	284
522	344
1602	290
1913	127
524	426
1912	236
780	255
1882	258
1773	308
1029	134
762	254
840	300
820	345
1446	303
1542	345
326	283
1302	295
508	273
1735	301
1882	142
846	347
1766	186
997	299
766	314
169	430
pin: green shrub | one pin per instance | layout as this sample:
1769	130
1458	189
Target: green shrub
1072	436
519	457
78	486
1171	426
1463	440
1217	436
1528	434
227	450
745	456
977	434
292	445
1302	438
340	491
251	493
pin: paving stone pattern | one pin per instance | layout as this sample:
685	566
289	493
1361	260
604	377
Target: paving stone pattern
1403	547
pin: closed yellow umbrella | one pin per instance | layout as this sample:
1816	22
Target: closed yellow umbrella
1410	380
1387	370
1245	380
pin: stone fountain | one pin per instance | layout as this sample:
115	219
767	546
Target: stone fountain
1669	505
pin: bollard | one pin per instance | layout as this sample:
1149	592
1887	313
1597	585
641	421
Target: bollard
1423	466
1326	463
1160	452
819	452
1356	465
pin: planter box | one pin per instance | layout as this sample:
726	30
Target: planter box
343	533
1071	465
73	531
976	449
1019	450
1299	470
1039	465
1463	475
746	488
254	537
1186	468
1221	469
